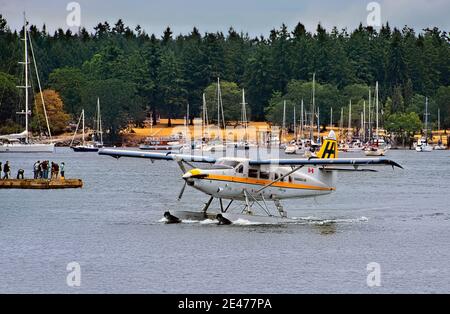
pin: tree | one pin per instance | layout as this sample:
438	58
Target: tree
396	74
162	67
327	96
167	37
258	80
231	99
171	90
57	118
9	97
443	102
120	104
404	126
69	83
397	100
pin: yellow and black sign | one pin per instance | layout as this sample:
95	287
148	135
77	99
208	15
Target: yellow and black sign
329	149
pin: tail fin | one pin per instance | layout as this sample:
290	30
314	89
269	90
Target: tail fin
329	149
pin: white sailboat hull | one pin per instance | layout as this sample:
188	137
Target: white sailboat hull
27	148
425	148
373	153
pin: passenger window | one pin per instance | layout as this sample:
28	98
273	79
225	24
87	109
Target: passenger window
253	173
264	175
275	176
240	169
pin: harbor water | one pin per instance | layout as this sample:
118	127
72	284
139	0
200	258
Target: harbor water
399	219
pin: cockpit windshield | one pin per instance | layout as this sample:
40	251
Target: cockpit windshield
226	164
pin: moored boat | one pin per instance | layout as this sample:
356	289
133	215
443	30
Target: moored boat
22	142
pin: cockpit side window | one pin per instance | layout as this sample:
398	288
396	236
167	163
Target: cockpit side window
253	173
240	169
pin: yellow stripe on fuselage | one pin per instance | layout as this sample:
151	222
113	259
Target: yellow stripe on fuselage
265	182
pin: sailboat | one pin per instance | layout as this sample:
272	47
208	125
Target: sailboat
98	135
422	143
378	146
302	146
89	147
21	142
292	147
439	145
188	144
217	145
244	143
283	143
351	145
298	145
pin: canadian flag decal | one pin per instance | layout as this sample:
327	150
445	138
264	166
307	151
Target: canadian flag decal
310	170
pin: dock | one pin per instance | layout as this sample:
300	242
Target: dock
41	184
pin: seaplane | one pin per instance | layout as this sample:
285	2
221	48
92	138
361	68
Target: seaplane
255	183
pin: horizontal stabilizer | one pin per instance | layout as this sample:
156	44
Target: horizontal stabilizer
349	169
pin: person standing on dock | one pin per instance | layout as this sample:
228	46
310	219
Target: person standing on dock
62	170
20	174
6	171
55	170
45	169
36	167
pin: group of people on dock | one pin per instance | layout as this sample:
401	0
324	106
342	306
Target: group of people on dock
40	169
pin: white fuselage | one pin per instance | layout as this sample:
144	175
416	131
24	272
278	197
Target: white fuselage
231	182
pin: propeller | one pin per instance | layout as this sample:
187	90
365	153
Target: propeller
182	191
182	167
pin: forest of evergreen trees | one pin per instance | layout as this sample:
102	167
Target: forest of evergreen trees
134	72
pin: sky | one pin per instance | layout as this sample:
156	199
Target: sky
256	17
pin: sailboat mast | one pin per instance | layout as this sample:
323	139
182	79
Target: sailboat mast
301	121
26	75
284	121
370	114
295	126
349	118
361	136
439	119
82	114
203	117
426	117
187	124
331	117
364	120
376	104
318	125
244	114
218	108
313	109
99	121
341	123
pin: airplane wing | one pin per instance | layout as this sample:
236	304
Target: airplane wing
355	162
117	153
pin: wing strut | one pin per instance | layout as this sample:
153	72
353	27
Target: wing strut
280	178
